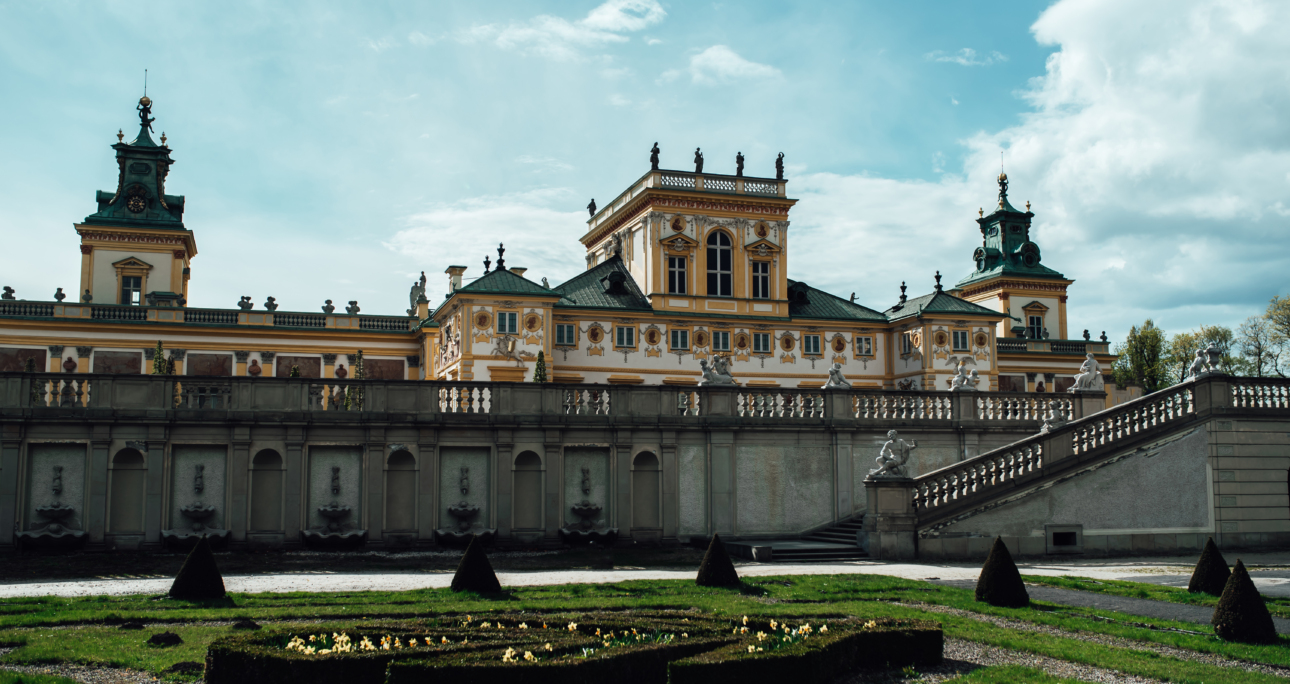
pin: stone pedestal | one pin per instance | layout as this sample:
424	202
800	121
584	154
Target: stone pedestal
889	522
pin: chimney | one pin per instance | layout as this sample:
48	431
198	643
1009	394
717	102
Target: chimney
519	271
454	277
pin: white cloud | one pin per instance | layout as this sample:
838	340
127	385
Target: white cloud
419	38
526	222
954	100
561	39
653	41
720	64
966	57
544	163
618	100
382	44
1157	162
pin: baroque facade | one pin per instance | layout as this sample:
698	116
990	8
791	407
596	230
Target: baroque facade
681	267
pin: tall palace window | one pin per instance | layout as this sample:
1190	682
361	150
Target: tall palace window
761	280
719	265
676	275
131	288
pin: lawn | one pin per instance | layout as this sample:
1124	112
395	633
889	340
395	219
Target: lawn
87	630
1279	607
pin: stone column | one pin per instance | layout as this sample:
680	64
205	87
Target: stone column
1087	403
266	361
414	363
890	523
502	482
374	518
178	356
156	456
239	471
296	481
552	509
329	365
96	483
428	484
55	358
240	357
721	492
671	486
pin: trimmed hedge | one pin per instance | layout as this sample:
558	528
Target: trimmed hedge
1241	614
198	578
1211	573
475	573
714	650
889	643
717	570
1000	583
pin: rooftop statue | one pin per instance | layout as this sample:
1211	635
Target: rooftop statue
653	158
893	457
1089	378
962	380
779	167
698	161
591	207
739	164
145	108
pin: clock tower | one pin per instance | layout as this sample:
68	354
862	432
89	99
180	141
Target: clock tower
135	249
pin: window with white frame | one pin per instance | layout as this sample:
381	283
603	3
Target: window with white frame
624	336
565	335
1035	330
761	280
508	323
864	346
811	344
720	341
961	340
680	339
906	344
676	275
131	289
761	343
720	265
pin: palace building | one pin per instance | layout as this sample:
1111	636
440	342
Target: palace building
681	266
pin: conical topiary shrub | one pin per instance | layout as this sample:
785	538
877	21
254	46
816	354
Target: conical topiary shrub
475	573
1241	614
1000	583
198	579
716	570
1211	573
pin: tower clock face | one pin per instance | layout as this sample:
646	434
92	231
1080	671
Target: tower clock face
136	204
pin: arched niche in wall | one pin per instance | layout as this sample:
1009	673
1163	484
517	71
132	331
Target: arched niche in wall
400	492
267	478
647	492
526	489
127	484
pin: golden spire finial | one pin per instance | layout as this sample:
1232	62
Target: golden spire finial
163	142
980	212
119	135
1027	205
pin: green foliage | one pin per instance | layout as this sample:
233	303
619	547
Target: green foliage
717	570
294	372
29	366
1142	359
1279	607
1211	573
1259	347
354	393
475	573
21	678
199	578
158	360
539	368
1241	614
1000	583
1183	348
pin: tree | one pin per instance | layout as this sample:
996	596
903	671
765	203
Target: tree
539	368
1142	358
1183	348
294	372
354	393
1278	316
1258	349
158	360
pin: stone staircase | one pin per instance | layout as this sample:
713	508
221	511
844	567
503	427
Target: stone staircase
830	545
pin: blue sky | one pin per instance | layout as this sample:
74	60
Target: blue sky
334	150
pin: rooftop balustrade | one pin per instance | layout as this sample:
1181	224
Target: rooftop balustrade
714	183
196	316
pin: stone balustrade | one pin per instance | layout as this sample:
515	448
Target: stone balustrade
187	315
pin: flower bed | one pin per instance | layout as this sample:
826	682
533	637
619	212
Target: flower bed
654	646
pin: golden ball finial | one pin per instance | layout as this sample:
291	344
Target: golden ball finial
1003	176
145	101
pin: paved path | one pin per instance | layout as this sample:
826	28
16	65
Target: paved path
1121	568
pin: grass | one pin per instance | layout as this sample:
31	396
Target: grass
85	629
1279	607
17	678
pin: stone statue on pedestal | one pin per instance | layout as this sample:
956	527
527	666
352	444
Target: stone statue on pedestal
698	161
739	164
1089	378
716	374
962	380
653	158
893	457
836	379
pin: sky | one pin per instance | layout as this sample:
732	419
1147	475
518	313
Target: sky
334	150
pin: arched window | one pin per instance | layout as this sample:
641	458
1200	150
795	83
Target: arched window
128	479
528	491
719	265
401	492
266	492
647	482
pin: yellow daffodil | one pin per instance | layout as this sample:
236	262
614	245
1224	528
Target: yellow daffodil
573	626
761	636
824	629
484	625
528	655
325	651
773	625
745	619
445	640
597	631
524	625
752	649
547	646
684	635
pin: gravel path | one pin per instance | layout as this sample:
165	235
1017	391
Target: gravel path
81	673
1161	610
1108	640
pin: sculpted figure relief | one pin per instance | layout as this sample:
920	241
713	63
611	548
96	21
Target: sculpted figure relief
963	381
716	374
893	457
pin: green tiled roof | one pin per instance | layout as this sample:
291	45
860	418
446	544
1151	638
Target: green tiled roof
822	305
587	290
938	302
502	281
